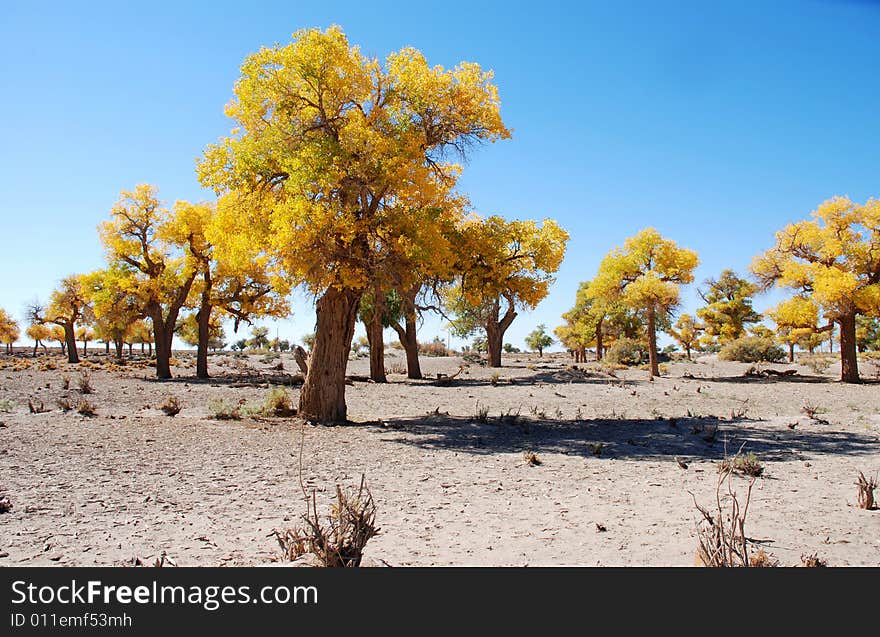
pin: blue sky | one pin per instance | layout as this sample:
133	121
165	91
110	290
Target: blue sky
716	123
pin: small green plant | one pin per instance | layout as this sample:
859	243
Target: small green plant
748	465
626	351
85	408
278	403
6	405
171	406
596	448
222	409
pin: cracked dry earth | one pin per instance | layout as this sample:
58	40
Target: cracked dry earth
450	484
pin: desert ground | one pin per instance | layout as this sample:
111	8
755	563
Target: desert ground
445	464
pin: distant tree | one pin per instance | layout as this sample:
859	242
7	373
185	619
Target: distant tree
59	337
538	339
833	261
284	345
84	335
797	322
240	345
510	349
645	275
309	341
9	330
68	305
868	333
686	332
39	334
116	307
259	337
728	310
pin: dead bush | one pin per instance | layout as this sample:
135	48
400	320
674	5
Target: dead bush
64	404
531	458
65	381
85	383
37	408
866	491
171	406
481	414
813	561
5	504
721	534
813	410
762	559
85	408
339	539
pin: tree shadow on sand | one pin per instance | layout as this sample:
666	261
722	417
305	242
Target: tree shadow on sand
640	439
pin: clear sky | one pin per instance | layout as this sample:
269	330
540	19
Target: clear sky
715	122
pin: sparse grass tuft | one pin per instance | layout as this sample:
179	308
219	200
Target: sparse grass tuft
813	410
64	404
813	561
531	458
85	383
6	405
481	414
222	409
65	381
762	559
721	535
748	465
85	408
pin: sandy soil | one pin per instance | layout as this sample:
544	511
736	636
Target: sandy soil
132	482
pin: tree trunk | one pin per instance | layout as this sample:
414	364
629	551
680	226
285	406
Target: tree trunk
652	343
36	345
599	352
118	344
322	398
408	335
495	330
688	350
163	349
106	347
130	345
150	349
540	352
70	337
376	337
791	352
203	316
85	346
849	361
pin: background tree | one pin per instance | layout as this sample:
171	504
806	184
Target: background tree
68	305
39	334
728	310
59	337
834	261
259	337
867	333
342	154
116	305
538	339
686	332
506	266
142	242
797	319
9	330
85	335
645	275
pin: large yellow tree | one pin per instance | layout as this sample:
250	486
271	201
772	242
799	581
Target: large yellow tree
346	159
142	243
834	261
646	275
506	266
116	306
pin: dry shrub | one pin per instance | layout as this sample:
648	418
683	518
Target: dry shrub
5	504
482	413
762	559
433	348
340	538
85	408
65	381
171	406
531	458
748	465
396	368
596	448
85	383
721	534
752	349
64	404
866	491
812	410
813	561
222	409
37	408
276	403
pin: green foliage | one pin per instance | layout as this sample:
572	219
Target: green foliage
752	349
627	351
538	339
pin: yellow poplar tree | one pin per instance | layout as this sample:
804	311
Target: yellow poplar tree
39	334
506	266
796	319
340	154
141	241
834	261
645	275
686	332
9	330
67	306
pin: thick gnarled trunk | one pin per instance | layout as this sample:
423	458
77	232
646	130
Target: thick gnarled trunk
70	338
322	398
495	330
203	317
849	361
407	334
